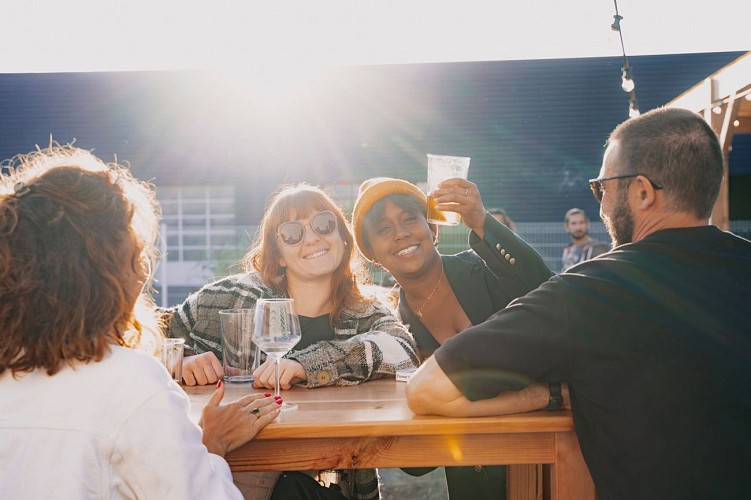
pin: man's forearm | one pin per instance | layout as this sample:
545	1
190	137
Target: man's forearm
531	398
431	392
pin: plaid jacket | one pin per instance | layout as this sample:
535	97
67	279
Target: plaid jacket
369	343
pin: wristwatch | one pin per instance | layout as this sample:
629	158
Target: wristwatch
556	398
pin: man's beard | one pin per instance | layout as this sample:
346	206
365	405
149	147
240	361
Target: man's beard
579	235
620	224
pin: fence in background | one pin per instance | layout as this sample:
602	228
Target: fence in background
178	278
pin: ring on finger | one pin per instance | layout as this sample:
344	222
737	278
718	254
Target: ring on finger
256	412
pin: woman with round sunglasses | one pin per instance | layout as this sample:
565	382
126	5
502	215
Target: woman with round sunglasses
305	251
441	295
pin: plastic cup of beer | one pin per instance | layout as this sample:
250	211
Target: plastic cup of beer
441	168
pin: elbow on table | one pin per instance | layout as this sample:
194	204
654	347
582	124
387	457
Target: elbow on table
419	399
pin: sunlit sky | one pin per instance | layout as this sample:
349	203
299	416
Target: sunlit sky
78	35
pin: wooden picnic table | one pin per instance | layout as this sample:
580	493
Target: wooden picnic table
369	426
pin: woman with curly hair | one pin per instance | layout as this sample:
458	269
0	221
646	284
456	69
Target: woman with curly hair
82	414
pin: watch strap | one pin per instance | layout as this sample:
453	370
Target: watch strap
556	397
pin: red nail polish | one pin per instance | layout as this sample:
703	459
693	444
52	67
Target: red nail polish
277	397
279	401
267	395
219	385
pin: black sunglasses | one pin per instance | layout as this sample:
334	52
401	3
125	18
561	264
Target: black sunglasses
293	232
596	184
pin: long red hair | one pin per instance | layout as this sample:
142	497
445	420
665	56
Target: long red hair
263	256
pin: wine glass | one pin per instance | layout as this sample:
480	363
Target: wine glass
276	331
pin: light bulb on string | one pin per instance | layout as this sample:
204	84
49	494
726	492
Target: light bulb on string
627	82
633	109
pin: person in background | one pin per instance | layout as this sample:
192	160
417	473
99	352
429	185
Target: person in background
441	295
654	338
82	413
501	216
583	247
304	250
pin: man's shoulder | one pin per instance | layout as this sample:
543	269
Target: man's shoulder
598	247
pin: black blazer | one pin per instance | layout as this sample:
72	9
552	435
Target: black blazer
483	279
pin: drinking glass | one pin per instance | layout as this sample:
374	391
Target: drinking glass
171	355
441	168
276	331
240	357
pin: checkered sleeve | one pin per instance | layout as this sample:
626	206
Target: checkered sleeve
368	344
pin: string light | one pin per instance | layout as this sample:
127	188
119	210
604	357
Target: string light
633	109
627	79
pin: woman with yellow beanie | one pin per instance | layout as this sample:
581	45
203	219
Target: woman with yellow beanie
441	295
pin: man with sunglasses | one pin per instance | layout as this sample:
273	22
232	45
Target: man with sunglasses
653	337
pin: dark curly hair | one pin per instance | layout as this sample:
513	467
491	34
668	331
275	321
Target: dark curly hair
77	237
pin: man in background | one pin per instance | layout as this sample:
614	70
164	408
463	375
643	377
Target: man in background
583	247
501	216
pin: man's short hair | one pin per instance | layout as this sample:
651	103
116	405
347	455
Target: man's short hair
678	149
574	211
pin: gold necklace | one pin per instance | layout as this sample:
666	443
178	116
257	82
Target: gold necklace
435	288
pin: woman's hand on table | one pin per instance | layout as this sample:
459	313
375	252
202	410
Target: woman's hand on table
290	373
468	202
227	427
202	369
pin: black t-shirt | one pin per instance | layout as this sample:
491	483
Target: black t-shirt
655	342
314	330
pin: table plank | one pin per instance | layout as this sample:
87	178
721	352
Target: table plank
395	451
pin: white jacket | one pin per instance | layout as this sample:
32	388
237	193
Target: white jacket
118	428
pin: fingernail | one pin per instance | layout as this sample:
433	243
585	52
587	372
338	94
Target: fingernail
219	385
267	395
279	401
277	397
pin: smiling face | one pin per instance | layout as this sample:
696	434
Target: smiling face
315	257
401	240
